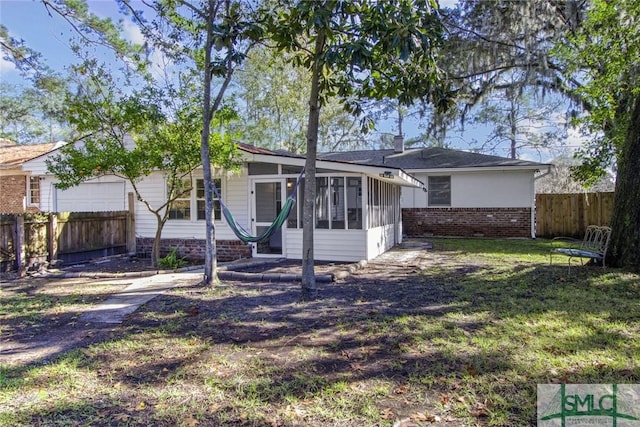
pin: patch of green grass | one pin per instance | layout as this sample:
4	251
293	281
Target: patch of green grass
38	302
520	250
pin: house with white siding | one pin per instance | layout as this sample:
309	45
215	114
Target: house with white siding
357	206
363	200
464	195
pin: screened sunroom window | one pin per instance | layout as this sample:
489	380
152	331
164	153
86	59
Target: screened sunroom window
263	168
292	220
354	203
338	203
382	197
322	202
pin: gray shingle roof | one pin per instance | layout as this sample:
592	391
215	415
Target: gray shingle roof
426	158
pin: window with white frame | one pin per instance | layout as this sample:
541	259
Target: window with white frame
439	191
200	200
191	196
181	207
34	190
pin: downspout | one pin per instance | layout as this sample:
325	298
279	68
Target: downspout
533	205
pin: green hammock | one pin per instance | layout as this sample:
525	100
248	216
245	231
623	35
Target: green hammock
245	235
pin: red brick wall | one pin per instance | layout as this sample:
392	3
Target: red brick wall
13	189
194	249
467	222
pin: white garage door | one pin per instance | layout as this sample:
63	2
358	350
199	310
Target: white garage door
92	197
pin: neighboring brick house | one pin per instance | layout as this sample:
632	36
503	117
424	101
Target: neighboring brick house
19	190
464	194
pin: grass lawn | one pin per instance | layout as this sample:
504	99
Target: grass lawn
460	336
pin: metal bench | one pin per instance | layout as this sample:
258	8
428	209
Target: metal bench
593	246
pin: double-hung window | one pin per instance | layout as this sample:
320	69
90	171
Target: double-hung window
181	207
34	190
191	201
439	191
200	200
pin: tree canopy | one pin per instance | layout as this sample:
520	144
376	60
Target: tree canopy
272	99
356	51
131	135
604	52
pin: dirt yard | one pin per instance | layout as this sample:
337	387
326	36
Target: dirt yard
268	317
51	305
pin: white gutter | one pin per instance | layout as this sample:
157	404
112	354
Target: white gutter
477	169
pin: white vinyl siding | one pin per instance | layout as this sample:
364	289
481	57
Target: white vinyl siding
485	189
234	193
379	240
329	245
91	197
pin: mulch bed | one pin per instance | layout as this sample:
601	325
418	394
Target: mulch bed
117	264
124	264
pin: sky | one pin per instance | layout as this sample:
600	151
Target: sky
49	35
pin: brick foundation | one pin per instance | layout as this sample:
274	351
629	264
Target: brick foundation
194	249
467	222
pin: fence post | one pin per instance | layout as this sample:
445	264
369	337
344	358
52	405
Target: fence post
53	237
20	249
131	225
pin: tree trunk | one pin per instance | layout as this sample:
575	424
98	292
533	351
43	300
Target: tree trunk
309	288
625	223
513	135
210	261
155	248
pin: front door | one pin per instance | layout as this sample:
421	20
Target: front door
267	203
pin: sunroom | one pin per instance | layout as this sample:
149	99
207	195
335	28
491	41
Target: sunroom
357	207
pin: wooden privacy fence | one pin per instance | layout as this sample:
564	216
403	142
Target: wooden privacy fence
570	214
28	240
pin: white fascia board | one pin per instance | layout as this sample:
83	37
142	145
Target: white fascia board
397	176
480	169
273	158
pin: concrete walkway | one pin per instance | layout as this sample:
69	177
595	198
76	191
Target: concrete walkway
116	307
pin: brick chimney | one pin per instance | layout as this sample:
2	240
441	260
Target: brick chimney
398	143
